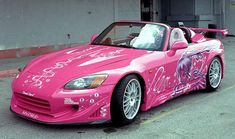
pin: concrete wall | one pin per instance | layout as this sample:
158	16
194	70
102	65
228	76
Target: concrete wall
183	11
204	9
219	12
194	13
230	16
26	23
200	13
179	11
127	9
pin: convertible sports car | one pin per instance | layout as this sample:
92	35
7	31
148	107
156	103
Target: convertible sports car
130	66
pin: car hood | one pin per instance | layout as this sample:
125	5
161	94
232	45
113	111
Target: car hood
78	61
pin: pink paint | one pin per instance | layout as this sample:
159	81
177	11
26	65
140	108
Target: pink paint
39	94
224	32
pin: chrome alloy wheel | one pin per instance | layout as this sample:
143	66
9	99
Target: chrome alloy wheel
215	73
132	99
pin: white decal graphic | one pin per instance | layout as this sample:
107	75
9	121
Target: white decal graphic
82	100
30	114
159	81
92	101
28	93
103	111
102	57
96	95
69	101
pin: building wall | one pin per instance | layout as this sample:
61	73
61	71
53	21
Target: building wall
219	12
127	9
179	11
182	11
204	10
26	23
200	13
230	16
194	13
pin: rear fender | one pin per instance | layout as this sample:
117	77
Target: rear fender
220	55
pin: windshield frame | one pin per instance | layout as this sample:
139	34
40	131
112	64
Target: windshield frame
110	27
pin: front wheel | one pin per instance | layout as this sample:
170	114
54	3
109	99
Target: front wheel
214	74
126	100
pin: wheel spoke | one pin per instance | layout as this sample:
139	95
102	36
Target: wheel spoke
127	93
211	75
128	88
132	87
127	99
213	79
130	112
134	109
216	65
126	104
137	96
212	71
136	90
127	110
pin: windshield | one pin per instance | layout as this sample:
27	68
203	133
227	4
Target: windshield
133	35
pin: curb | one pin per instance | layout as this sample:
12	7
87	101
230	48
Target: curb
8	73
31	51
23	52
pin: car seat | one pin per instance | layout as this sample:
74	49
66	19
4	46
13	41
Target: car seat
177	35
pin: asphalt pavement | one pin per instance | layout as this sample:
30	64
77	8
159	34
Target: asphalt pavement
198	115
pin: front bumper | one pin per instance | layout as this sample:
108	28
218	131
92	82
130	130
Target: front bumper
65	107
57	123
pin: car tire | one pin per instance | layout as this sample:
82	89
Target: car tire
126	100
214	74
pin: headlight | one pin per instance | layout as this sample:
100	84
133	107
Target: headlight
87	82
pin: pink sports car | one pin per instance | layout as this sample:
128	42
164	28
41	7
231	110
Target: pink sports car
130	66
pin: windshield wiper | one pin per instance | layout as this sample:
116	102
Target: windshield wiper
96	43
127	46
124	46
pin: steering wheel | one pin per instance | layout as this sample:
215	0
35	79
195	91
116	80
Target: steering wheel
107	41
187	34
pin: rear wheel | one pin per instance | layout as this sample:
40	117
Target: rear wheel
214	74
126	100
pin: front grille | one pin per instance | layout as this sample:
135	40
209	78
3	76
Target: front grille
33	104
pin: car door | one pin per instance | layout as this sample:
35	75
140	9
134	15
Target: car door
186	69
177	71
155	75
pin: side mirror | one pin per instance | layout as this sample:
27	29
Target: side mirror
179	45
93	37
